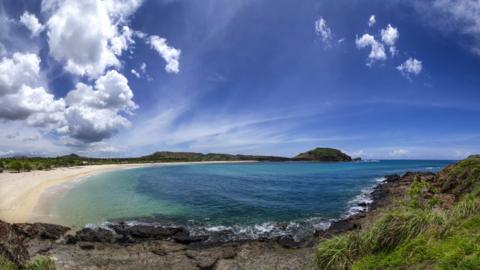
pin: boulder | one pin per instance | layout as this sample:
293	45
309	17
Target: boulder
12	244
41	230
95	235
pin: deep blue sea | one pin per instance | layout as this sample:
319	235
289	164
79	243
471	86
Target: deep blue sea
247	197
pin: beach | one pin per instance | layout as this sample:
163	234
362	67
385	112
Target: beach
21	193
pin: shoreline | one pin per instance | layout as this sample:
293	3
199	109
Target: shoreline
166	247
21	193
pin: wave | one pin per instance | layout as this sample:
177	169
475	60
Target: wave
298	229
362	201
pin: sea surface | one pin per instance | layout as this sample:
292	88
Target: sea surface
250	199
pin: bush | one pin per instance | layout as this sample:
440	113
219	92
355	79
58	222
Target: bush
16	166
27	167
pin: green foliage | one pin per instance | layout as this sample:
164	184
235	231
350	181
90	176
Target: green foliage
324	154
340	251
41	263
6	264
16	166
27	167
416	237
415	192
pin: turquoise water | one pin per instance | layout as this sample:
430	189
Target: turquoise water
252	195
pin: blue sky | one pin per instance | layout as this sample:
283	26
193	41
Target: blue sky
260	77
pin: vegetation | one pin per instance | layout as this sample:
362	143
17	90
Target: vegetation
19	164
419	234
39	263
324	154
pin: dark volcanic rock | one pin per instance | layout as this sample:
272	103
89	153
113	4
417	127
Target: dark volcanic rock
189	239
12	244
95	235
289	242
41	230
207	258
149	232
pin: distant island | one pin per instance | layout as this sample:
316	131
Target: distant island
25	163
324	155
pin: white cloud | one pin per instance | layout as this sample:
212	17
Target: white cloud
390	36
31	22
21	94
92	27
169	54
377	49
122	42
399	153
94	113
322	30
411	66
371	20
134	72
453	16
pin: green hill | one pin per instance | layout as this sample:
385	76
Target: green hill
324	154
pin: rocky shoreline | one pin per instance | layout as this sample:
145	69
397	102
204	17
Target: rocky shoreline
120	246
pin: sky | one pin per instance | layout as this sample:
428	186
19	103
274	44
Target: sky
396	79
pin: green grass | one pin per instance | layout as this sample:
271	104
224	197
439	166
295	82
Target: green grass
38	263
6	264
416	235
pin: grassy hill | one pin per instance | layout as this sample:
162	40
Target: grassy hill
324	154
436	226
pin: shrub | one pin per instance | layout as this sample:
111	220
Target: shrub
27	167
16	166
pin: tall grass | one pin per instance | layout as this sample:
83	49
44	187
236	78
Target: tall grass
39	263
388	232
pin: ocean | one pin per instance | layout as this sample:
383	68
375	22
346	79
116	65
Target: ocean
250	199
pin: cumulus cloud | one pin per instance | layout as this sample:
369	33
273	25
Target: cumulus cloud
94	113
21	95
31	22
390	36
169	54
372	20
377	51
322	30
411	66
92	27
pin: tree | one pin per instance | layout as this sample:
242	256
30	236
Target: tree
27	167
16	166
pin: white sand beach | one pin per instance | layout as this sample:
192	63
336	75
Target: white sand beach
20	193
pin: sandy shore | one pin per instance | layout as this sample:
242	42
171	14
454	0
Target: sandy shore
20	193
